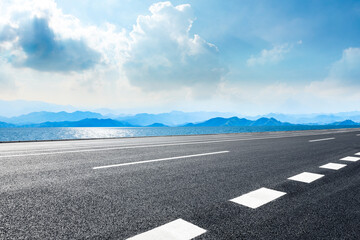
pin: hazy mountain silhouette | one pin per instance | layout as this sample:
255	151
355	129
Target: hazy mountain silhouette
173	118
6	125
345	123
313	118
88	122
157	125
235	121
40	117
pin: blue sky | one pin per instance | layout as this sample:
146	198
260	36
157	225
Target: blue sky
248	57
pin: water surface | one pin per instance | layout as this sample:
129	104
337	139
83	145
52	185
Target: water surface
30	134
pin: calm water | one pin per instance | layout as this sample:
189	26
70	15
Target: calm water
26	134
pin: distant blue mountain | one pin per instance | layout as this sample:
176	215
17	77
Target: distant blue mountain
345	123
218	121
6	125
313	119
40	117
92	119
88	122
269	122
235	121
173	118
18	107
157	125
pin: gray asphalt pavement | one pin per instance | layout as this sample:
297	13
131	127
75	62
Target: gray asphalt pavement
121	188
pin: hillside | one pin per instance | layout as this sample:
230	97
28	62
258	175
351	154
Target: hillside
6	125
235	121
88	122
41	117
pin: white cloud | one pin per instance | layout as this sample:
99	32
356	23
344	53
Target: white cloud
347	69
7	87
271	56
338	92
62	35
340	89
343	79
163	55
160	65
158	55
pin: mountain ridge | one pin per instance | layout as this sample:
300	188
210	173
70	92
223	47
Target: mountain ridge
44	116
235	121
93	119
213	122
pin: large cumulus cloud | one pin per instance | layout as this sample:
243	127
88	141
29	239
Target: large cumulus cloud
45	52
7	33
36	35
163	55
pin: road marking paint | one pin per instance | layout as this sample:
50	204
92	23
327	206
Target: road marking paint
160	159
322	139
258	197
141	146
134	147
230	139
102	146
351	159
357	153
175	230
306	177
169	144
333	166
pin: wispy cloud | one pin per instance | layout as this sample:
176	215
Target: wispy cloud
347	69
271	56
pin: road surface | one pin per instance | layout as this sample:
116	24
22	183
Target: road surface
274	185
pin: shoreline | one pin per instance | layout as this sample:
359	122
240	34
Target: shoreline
315	128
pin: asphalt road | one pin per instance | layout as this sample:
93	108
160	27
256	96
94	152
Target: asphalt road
120	188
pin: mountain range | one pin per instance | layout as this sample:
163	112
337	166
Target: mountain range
235	121
173	118
39	112
40	117
107	122
313	119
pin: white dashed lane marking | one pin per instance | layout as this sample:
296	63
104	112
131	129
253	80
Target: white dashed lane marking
258	197
160	160
357	153
322	139
306	177
350	159
333	166
175	230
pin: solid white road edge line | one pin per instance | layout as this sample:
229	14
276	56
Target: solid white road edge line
142	146
160	159
133	147
164	145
